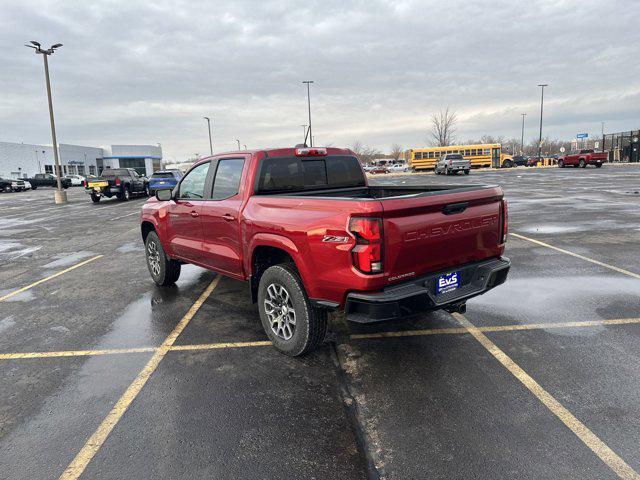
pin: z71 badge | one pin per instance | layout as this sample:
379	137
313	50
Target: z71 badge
335	239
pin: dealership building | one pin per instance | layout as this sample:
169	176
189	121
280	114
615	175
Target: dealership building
20	160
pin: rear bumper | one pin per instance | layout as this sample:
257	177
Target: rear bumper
419	294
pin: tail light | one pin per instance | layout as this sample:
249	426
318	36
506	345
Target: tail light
505	220
84	183
367	254
311	152
450	162
117	182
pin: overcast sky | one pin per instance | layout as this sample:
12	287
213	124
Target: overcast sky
146	72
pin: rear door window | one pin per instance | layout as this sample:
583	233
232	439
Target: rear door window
227	181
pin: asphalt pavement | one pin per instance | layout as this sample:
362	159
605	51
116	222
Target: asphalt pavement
105	375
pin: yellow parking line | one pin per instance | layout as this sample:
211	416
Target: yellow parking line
590	439
50	277
75	353
91	447
358	336
577	255
213	346
497	328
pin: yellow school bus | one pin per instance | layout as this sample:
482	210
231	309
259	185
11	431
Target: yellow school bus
481	155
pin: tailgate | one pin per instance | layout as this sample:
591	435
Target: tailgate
98	183
433	232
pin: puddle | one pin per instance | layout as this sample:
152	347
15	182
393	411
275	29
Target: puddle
66	259
25	296
6	323
558	299
131	247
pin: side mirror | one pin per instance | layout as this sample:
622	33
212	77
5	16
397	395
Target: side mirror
164	195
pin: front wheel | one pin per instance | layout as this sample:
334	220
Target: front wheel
582	164
95	198
292	324
598	165
125	195
560	164
164	271
34	188
466	172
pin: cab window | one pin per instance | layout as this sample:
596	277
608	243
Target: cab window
227	179
192	185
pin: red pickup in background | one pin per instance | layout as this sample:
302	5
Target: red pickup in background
583	158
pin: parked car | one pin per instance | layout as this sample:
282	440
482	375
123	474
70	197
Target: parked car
398	167
534	161
164	179
452	163
583	158
47	180
519	161
5	185
375	169
18	185
117	182
310	235
76	180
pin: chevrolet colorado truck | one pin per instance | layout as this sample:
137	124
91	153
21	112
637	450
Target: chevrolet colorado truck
583	158
310	235
116	182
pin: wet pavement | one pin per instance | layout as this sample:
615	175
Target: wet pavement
421	398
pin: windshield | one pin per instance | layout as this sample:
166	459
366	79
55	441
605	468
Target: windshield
454	156
296	173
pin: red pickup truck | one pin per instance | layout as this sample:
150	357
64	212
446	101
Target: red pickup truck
309	234
583	158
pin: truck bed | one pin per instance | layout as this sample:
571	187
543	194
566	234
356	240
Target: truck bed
382	192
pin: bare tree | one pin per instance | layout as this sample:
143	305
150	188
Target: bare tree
443	127
365	154
396	151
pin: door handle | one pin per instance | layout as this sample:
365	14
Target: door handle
228	217
195	214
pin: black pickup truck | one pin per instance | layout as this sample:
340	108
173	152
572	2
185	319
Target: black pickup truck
47	180
117	182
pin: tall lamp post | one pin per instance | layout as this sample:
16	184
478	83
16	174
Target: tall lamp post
542	85
309	82
522	135
209	126
238	144
60	196
304	133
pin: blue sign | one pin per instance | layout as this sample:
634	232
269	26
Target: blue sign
582	135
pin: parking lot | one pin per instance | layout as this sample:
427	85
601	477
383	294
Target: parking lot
104	375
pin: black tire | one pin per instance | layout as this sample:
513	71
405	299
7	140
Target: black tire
95	198
125	195
146	191
582	164
163	270
34	188
310	324
466	172
560	164
598	165
446	171
506	164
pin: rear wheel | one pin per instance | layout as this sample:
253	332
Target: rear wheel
598	165
164	271
466	172
95	198
125	195
292	324
560	164
33	187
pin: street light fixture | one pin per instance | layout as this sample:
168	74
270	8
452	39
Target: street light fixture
309	82
522	135
542	85
209	126
245	146
60	196
304	134
238	144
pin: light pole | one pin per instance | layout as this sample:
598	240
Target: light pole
245	146
542	85
238	144
304	133
309	82
209	126
602	149
60	196
522	135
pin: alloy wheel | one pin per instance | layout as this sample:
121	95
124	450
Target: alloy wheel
153	257
280	311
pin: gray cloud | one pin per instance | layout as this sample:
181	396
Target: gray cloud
146	72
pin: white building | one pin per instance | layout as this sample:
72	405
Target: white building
19	160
